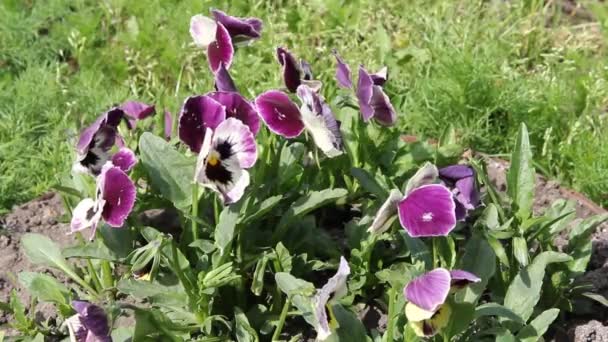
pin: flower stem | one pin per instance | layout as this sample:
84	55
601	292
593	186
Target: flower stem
279	329
106	269
90	269
435	252
194	211
391	313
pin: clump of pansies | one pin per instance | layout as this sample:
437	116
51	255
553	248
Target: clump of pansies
220	127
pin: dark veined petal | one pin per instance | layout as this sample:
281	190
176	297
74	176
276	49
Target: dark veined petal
93	318
456	172
387	211
461	278
118	192
380	77
461	178
197	114
236	106
342	72
221	50
168	120
223	81
364	94
428	211
430	290
320	122
96	141
335	288
232	138
280	114
240	29
203	30
291	70
383	111
125	159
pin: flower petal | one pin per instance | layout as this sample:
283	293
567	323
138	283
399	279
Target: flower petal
240	29
137	110
223	81
93	318
221	50
237	106
388	210
428	211
125	159
96	141
227	178
199	113
467	195
342	72
430	290
461	278
425	175
364	94
280	114
77	331
168	125
432	325
86	214
306	70
383	110
291	70
118	192
203	30
336	285
232	138
320	122
456	172
380	77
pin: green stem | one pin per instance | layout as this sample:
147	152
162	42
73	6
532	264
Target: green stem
90	268
435	252
194	211
106	271
279	329
391	314
180	273
216	210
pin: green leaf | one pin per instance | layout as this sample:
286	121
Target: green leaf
495	309
539	325
169	171
465	313
168	296
504	335
21	321
521	175
447	251
580	244
310	202
291	285
153	325
45	288
499	250
397	275
520	250
349	327
90	250
224	231
418	249
524	291
489	217
283	257
369	183
597	297
244	331
262	209
257	283
479	259
290	163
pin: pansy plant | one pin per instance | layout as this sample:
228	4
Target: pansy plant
294	73
461	179
89	324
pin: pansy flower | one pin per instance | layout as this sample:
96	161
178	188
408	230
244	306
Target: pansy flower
461	179
89	324
225	155
284	118
223	80
334	289
236	106
135	111
427	309
373	101
294	73
219	34
96	141
114	200
426	209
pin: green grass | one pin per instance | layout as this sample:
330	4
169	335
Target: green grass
481	66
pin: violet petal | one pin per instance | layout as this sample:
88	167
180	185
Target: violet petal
383	110
342	72
137	110
291	70
236	106
197	114
428	211
223	81
364	94
461	278
118	192
320	122
429	290
456	172
125	159
280	114
221	50
241	29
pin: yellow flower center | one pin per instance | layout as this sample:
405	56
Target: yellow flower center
213	159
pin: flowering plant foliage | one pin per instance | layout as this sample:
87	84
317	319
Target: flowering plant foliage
271	240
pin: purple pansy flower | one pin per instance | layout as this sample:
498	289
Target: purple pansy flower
385	215
114	200
135	110
97	140
283	117
197	114
373	101
427	309
241	30
334	289
224	157
461	179
125	159
294	73
236	106
89	324
223	81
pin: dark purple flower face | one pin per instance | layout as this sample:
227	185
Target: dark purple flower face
461	179
430	290
97	140
280	114
428	211
90	324
236	106
223	81
197	114
373	102
292	74
240	29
